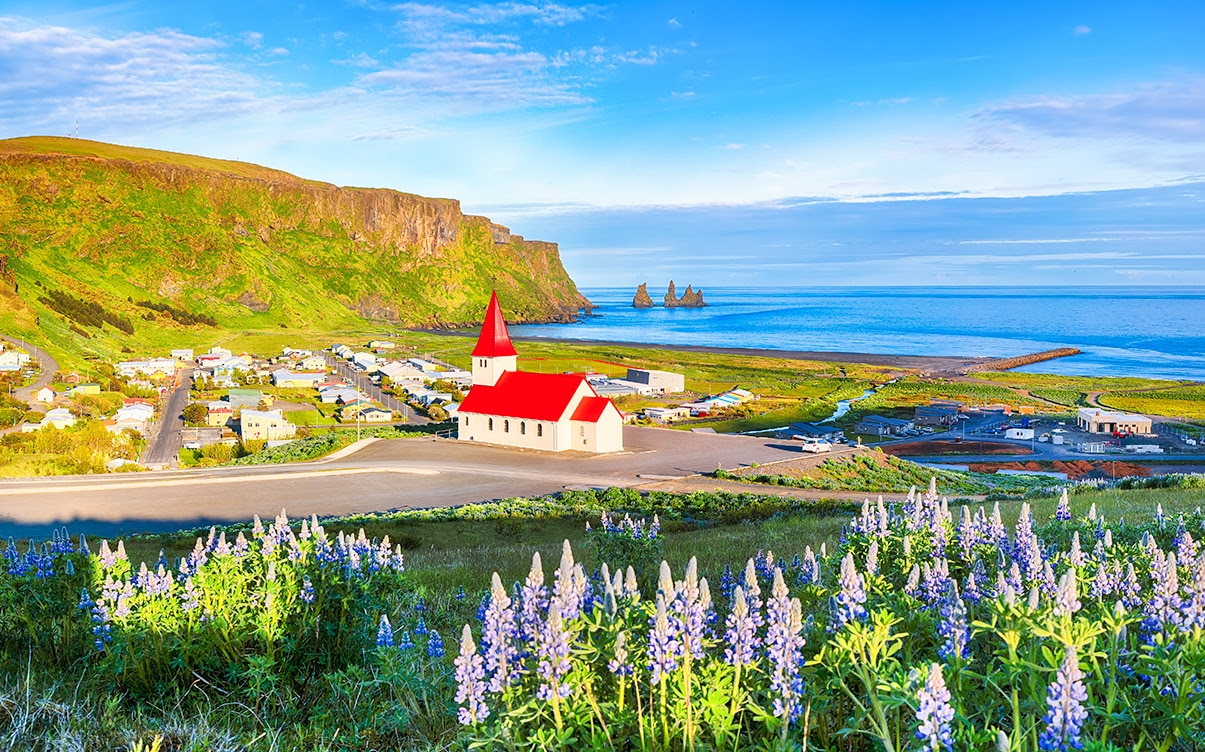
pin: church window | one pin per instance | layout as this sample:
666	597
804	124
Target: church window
506	426
539	429
523	428
581	431
491	424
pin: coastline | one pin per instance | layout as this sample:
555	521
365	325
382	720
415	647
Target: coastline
945	364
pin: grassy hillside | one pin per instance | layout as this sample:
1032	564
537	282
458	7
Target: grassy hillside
222	247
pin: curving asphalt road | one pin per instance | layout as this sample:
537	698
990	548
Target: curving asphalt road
393	474
49	367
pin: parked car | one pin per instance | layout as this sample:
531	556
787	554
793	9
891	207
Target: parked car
812	444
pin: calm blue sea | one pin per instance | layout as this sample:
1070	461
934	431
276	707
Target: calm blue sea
1130	331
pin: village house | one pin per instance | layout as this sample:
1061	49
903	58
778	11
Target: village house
46	394
1095	420
219	413
662	382
879	425
376	415
184	353
381	344
151	367
268	425
312	363
283	377
553	412
937	416
666	414
59	417
90	387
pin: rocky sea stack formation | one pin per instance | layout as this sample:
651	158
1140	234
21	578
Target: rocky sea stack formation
642	299
689	299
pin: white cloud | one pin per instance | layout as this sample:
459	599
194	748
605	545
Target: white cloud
1081	30
675	23
1162	111
54	74
253	39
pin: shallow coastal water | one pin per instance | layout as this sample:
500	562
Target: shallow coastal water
1122	331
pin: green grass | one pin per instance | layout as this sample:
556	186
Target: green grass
118	226
1184	402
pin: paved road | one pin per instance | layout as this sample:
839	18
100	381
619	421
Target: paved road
164	448
48	365
364	384
394	474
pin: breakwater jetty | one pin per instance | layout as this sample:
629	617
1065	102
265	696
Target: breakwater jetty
1006	364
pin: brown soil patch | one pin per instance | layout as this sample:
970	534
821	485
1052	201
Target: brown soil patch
1075	469
930	448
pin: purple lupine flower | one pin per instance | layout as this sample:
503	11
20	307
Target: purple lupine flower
996	529
1104	584
85	600
784	647
1163	606
1076	557
912	586
872	558
1066	600
404	642
727	582
1186	549
470	684
741	632
809	570
534	600
1062	513
690	611
420	627
936	580
934	712
499	630
664	646
307	590
968	533
1027	547
753	593
1192	609
435	645
619	664
460	594
385	633
954	627
552	653
1065	711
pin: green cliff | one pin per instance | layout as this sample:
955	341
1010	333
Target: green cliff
230	245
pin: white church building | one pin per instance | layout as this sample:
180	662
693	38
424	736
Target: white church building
554	412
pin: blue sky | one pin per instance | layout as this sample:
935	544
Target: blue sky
751	143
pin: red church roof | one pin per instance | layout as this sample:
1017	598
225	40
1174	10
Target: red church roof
590	409
494	340
520	394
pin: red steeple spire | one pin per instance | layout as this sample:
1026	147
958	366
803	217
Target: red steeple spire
494	340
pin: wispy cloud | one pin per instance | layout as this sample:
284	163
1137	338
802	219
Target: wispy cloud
54	74
1081	30
1170	110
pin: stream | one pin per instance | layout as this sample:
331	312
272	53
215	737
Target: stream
843	405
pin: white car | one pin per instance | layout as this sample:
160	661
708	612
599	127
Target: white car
812	444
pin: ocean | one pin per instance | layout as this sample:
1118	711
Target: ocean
1123	331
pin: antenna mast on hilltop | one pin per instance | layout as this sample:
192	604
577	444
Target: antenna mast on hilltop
77	127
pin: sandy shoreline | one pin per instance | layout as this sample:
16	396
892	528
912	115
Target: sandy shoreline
931	363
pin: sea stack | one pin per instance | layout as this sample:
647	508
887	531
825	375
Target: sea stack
642	299
689	299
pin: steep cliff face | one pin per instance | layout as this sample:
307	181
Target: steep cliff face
248	245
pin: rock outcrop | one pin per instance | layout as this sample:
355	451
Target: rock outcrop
642	299
689	299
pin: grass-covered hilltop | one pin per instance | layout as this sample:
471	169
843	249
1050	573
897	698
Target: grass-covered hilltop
161	243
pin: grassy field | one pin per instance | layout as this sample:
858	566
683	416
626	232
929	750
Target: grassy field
1183	402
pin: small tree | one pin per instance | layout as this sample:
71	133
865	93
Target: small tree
196	414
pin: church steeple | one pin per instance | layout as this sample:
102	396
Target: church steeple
494	353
